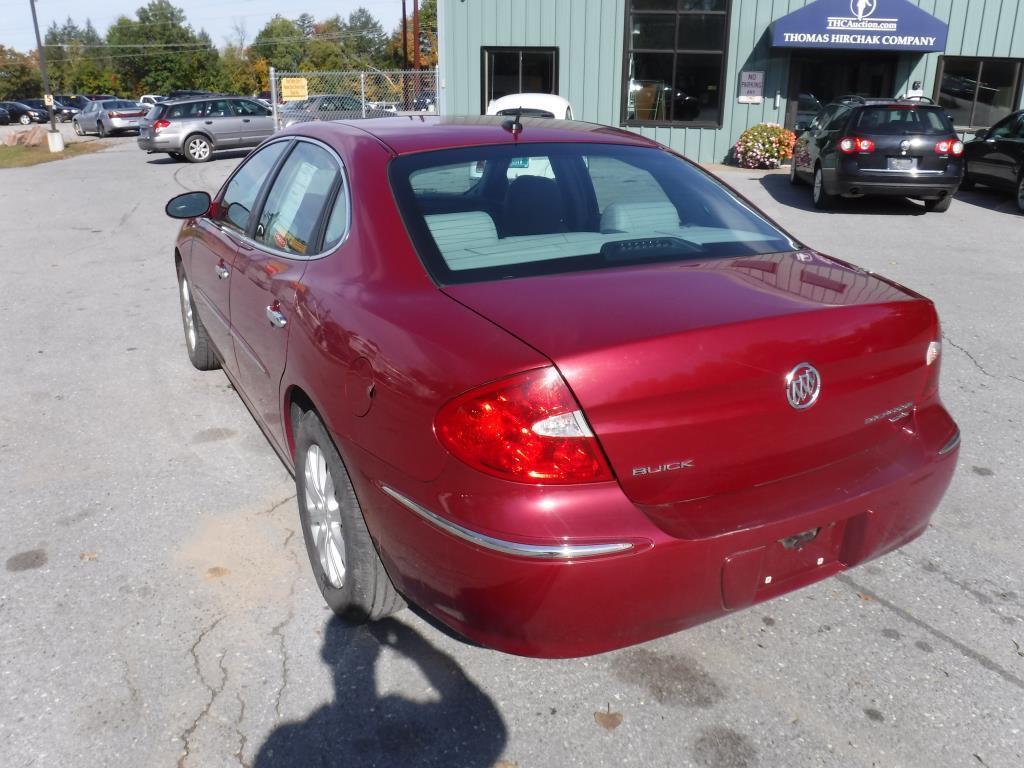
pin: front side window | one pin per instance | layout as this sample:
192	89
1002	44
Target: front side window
978	93
1010	128
291	217
518	70
249	108
675	61
507	211
243	189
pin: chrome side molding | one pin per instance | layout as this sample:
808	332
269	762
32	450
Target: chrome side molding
954	441
536	551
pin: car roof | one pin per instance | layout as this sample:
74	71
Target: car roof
421	133
861	101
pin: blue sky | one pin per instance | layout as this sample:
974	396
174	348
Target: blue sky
217	17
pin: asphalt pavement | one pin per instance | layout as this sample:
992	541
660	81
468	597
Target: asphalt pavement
157	609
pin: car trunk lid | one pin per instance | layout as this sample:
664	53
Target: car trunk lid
682	369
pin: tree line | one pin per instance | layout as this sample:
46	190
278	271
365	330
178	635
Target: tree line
158	51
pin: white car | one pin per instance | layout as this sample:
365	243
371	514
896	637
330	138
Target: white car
532	105
149	99
545	105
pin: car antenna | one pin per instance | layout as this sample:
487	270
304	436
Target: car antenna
515	126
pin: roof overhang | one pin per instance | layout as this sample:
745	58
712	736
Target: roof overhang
863	25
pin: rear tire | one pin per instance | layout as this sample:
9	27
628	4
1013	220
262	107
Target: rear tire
938	206
966	183
78	128
1020	193
197	148
197	341
101	130
794	179
819	196
345	563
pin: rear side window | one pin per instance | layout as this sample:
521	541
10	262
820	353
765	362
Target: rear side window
189	109
241	192
290	219
899	119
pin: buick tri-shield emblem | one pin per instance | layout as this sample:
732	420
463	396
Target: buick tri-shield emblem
803	385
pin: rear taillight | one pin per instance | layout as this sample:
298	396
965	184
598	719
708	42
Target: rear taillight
953	147
160	125
852	145
527	428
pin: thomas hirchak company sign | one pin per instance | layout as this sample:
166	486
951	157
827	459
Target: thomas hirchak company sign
884	25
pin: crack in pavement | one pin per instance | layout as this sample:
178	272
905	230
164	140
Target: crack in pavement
970	357
275	506
243	741
966	650
277	631
132	690
187	733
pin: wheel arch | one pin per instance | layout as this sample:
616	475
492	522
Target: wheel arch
296	404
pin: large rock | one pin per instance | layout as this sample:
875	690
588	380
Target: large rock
33	137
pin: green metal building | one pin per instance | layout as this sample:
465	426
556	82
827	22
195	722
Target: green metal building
694	74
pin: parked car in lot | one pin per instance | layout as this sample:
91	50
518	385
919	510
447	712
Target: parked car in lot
149	99
106	118
565	414
995	157
23	113
328	107
532	105
194	128
78	102
61	111
857	147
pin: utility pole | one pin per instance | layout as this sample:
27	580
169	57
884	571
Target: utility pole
405	39
416	34
46	79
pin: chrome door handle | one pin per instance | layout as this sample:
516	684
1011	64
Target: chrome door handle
276	318
222	271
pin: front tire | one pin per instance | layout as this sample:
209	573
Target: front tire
820	197
24	119
197	341
197	149
1020	193
345	563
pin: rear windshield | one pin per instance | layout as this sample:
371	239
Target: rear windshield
120	105
497	212
902	119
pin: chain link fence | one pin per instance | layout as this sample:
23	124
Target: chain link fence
302	97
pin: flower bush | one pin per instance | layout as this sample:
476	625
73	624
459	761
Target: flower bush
764	146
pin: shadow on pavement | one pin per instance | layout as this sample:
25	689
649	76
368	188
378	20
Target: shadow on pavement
799	196
994	200
458	726
231	154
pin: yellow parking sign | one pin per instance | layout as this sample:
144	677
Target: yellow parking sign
294	88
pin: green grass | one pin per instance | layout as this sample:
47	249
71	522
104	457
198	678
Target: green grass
19	157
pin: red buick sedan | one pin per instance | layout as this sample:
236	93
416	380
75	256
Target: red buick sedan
555	384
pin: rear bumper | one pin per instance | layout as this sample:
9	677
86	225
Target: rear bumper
159	143
930	186
649	582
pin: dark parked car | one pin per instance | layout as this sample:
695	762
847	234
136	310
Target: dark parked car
78	102
23	113
857	147
560	416
996	157
61	111
5	116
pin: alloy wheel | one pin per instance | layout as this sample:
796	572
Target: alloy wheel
199	148
24	119
186	311
324	516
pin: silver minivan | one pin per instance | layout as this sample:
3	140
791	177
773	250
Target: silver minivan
194	128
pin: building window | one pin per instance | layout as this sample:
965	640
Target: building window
978	92
518	70
675	60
